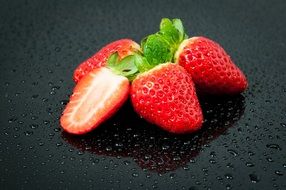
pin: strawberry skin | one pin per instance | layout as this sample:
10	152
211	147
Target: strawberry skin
123	47
212	69
166	96
96	97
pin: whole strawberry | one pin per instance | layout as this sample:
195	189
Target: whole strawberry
165	95
211	67
123	47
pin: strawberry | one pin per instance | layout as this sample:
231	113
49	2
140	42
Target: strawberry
211	67
165	95
123	47
98	95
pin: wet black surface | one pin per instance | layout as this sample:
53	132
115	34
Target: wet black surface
241	146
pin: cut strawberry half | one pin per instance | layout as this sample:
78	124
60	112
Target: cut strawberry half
95	98
98	95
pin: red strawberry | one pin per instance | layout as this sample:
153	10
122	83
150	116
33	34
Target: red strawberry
166	96
96	97
211	67
123	47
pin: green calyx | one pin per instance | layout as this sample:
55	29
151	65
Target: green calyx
161	46
157	48
124	67
130	66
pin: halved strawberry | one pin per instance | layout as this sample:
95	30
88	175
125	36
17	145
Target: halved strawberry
123	47
97	96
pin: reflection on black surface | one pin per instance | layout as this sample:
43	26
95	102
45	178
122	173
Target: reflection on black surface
126	135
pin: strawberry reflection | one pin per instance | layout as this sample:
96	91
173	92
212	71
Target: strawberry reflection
127	135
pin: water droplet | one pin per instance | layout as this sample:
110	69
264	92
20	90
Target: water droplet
269	159
147	157
228	176
28	133
64	102
59	144
249	164
273	146
230	165
165	147
108	148
46	122
212	154
34	126
251	153
95	161
80	153
11	120
212	161
192	161
126	162
278	172
172	175
57	49
186	168
254	178
34	117
177	158
232	152
135	174
228	187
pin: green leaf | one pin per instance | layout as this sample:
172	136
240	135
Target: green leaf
143	41
177	23
161	46
157	49
125	67
141	63
169	31
165	22
113	59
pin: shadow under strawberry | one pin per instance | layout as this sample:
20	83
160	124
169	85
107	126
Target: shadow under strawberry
127	135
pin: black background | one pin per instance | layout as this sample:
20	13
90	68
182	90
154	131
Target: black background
242	144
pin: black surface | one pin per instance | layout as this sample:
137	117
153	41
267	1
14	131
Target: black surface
242	144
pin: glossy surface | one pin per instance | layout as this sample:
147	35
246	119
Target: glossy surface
166	96
211	67
241	146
